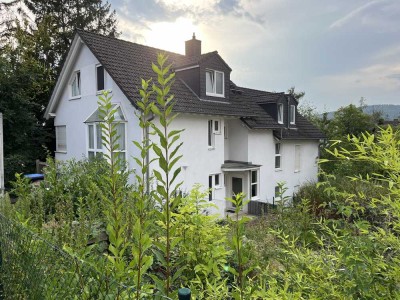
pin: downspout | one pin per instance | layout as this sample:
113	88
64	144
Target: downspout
288	112
147	133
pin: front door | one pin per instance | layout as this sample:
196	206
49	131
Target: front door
237	186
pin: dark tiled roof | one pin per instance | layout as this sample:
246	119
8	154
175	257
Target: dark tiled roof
127	63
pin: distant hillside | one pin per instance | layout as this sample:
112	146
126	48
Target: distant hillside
389	111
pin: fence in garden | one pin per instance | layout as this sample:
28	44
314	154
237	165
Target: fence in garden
33	268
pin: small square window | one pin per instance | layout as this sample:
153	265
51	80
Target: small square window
254	184
214	83
217	128
211	137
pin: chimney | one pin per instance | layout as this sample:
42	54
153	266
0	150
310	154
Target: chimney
193	47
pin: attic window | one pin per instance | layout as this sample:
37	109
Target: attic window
280	113
76	84
292	114
100	77
214	83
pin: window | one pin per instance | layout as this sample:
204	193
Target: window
292	114
214	182
100	78
277	155
297	157
217	129
254	184
61	138
225	132
95	143
216	179
76	84
211	137
280	113
214	83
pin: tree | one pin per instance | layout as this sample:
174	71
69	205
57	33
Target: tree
296	95
31	53
63	17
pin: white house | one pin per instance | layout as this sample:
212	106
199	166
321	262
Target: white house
235	139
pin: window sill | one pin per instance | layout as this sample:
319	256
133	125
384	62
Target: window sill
297	171
294	123
62	152
257	198
278	170
211	148
217	187
280	122
75	97
215	95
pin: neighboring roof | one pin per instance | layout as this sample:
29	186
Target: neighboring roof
127	63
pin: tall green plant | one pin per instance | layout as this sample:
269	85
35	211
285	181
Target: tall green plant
142	215
167	195
241	255
115	207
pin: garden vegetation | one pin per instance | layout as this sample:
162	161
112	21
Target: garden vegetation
337	239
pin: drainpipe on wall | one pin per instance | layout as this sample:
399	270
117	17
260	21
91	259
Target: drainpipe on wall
288	112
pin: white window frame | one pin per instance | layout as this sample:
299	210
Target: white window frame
212	184
215	129
255	183
278	153
98	147
280	113
104	79
76	78
210	135
292	114
61	138
297	158
214	93
97	143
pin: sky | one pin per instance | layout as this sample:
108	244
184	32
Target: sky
336	51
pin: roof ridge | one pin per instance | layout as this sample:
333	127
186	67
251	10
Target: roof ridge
128	42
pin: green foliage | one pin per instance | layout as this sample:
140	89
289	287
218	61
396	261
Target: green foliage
203	247
167	192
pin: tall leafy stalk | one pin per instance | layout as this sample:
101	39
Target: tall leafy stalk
167	194
114	211
141	260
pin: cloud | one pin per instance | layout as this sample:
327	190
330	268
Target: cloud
376	15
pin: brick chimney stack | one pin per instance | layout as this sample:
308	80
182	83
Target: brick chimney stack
193	47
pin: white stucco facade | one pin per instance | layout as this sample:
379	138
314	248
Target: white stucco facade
201	163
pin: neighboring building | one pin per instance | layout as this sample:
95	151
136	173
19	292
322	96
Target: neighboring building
235	139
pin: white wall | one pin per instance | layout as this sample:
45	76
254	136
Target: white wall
199	161
74	112
237	141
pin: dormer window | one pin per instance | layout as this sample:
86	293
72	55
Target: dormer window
76	84
292	114
280	113
214	83
100	77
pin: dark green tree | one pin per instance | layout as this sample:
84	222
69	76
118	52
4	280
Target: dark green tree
63	17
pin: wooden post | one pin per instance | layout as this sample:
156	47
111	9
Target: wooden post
1	156
184	294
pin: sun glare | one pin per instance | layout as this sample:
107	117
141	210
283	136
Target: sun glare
171	36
